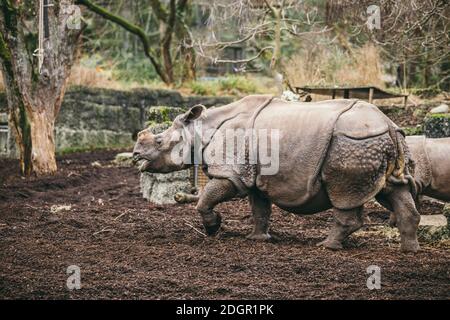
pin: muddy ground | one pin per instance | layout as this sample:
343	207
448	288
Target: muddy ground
126	248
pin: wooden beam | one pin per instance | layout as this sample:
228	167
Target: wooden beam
370	95
46	26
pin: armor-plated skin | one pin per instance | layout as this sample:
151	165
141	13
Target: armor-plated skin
332	154
432	165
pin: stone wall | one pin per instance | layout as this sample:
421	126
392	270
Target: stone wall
94	118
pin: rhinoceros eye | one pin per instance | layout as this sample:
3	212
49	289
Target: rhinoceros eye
158	140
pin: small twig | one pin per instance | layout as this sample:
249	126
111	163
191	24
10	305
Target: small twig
103	230
195	229
120	215
31	207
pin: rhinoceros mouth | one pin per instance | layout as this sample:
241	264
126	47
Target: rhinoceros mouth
144	164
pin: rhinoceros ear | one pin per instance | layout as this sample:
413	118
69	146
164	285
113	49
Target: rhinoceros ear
193	113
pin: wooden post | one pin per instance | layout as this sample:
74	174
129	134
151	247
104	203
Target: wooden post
370	95
405	101
346	93
333	96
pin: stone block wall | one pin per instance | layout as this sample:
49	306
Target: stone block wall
94	117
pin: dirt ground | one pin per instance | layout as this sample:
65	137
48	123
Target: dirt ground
126	248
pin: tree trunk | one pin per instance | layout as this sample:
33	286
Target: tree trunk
43	142
34	95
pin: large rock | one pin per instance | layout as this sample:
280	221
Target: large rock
124	159
161	188
443	108
434	228
437	125
434	220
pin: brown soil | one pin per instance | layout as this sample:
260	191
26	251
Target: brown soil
129	248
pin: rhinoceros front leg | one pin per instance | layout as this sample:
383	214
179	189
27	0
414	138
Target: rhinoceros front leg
345	223
261	210
215	192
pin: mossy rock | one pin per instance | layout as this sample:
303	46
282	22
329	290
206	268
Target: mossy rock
436	229
446	213
163	114
156	128
432	234
437	125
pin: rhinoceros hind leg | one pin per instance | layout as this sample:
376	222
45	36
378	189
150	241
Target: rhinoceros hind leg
261	210
392	220
406	217
345	223
215	192
381	198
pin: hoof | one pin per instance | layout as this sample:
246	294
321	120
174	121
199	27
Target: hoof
212	229
410	246
332	245
259	236
392	221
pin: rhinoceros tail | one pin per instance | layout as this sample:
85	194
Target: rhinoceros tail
399	172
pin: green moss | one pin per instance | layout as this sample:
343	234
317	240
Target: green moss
438	115
10	16
203	88
5	55
431	234
22	121
446	212
162	114
239	84
413	131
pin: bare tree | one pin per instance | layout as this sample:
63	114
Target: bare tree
35	86
171	18
263	25
414	34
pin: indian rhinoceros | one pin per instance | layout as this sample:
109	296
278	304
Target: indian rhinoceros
431	168
331	154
